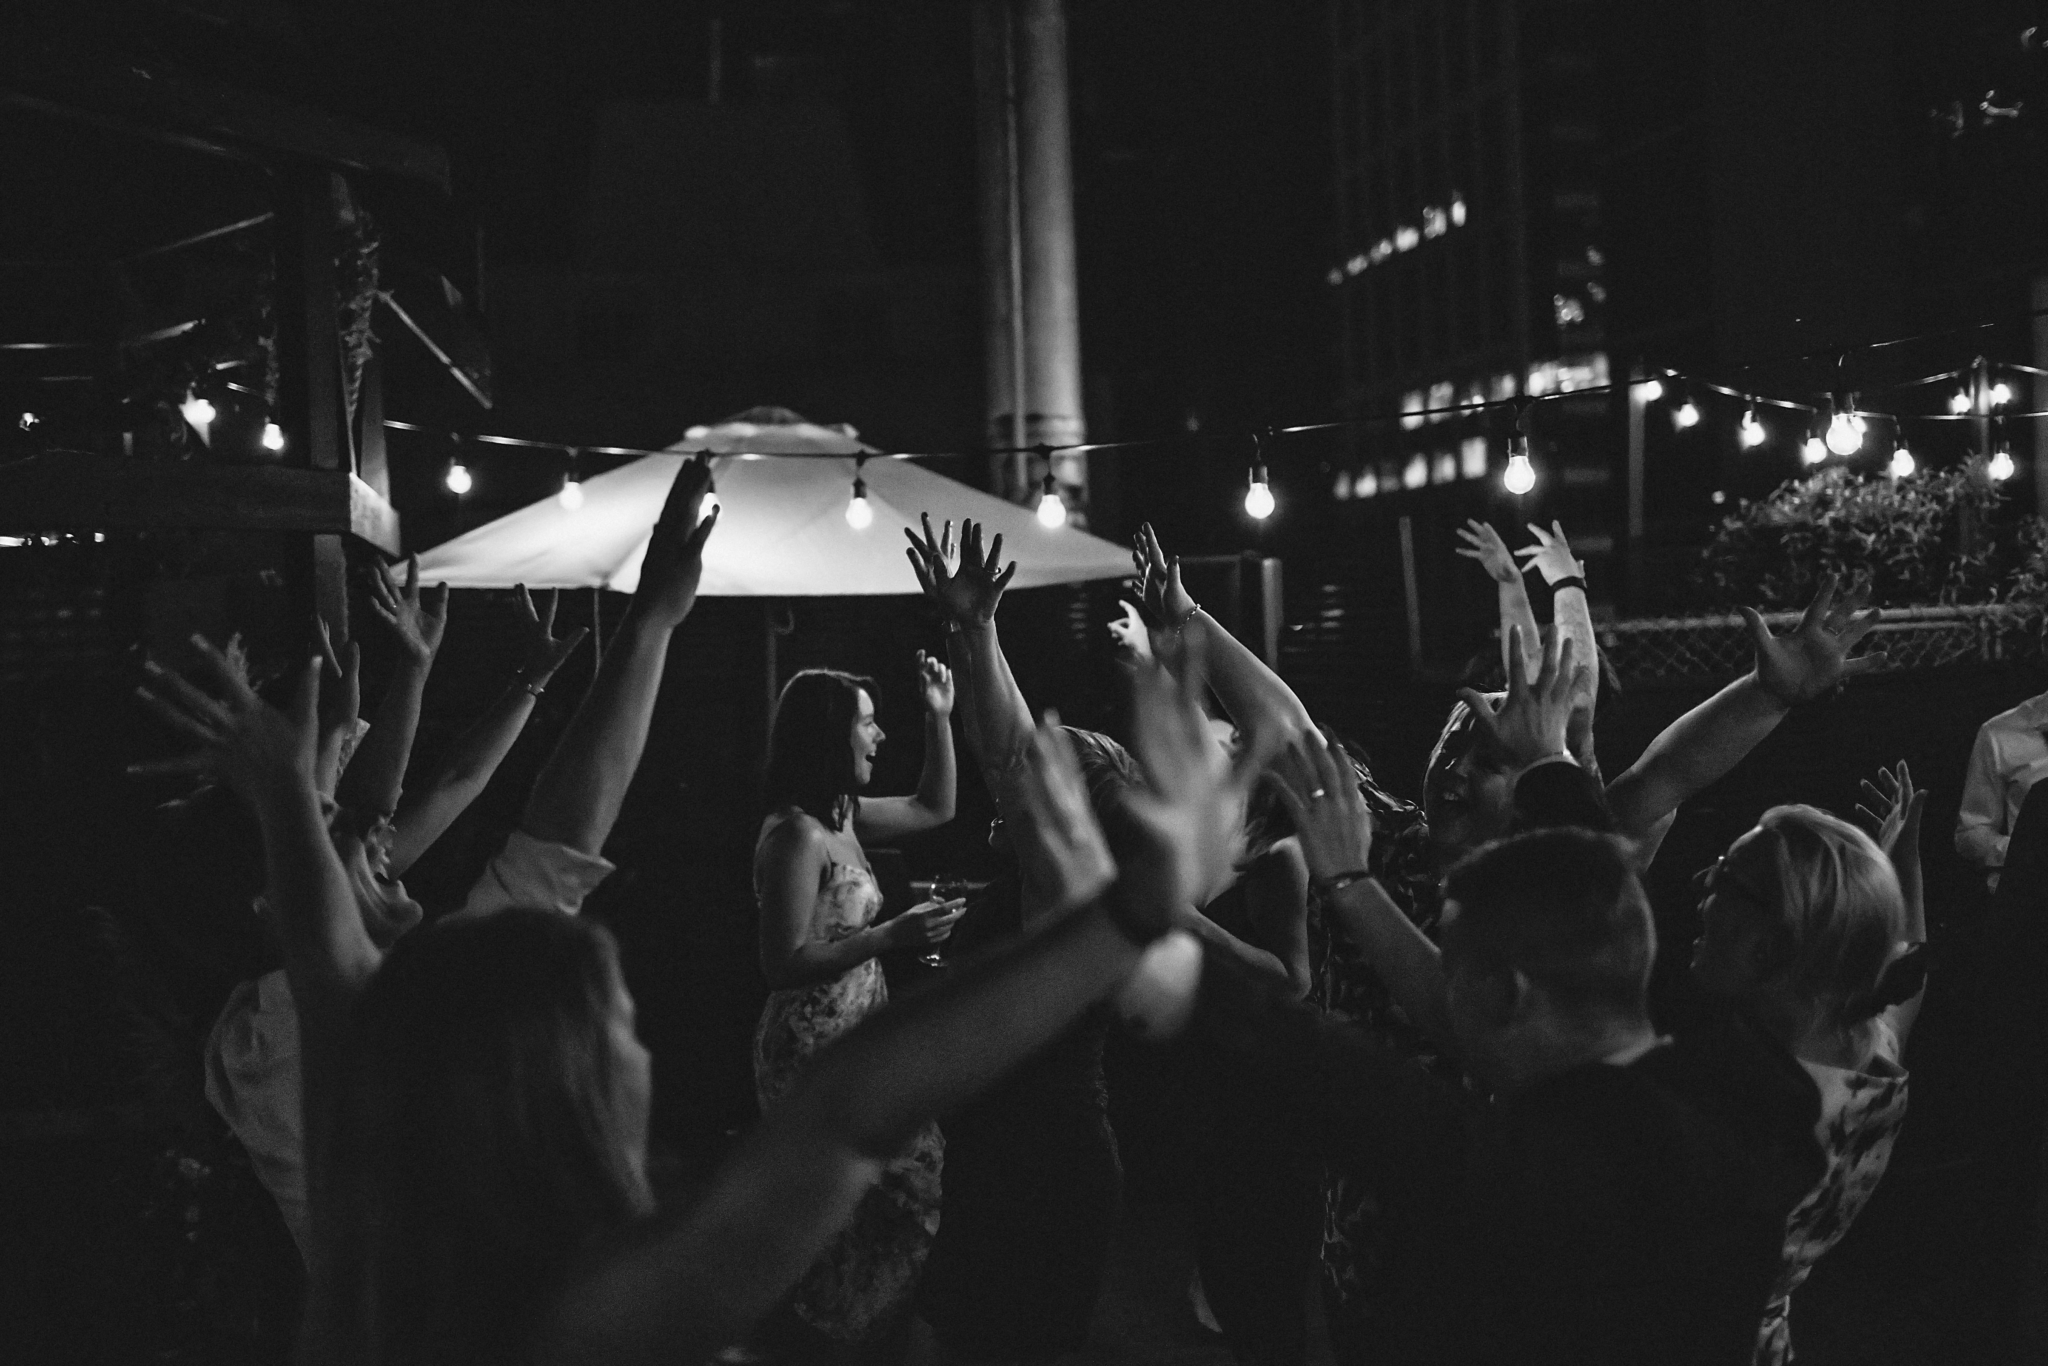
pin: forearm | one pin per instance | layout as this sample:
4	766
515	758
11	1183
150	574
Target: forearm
1253	959
1405	959
376	774
964	707
577	797
1257	699
1694	751
427	811
1001	715
328	955
821	960
938	787
1516	613
1572	617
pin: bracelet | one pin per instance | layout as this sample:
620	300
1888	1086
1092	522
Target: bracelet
1178	626
1577	581
535	688
1338	883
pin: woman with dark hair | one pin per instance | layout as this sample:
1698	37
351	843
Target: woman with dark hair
820	949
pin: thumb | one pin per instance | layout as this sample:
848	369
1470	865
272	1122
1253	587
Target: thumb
305	704
1759	633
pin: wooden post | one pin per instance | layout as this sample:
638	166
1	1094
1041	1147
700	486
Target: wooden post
312	408
1411	596
1634	570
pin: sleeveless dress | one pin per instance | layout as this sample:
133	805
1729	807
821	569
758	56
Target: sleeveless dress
869	1271
1861	1113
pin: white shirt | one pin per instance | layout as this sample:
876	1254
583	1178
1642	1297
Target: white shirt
2010	756
252	1055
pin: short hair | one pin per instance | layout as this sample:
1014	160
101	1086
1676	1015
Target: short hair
1839	908
1564	908
810	744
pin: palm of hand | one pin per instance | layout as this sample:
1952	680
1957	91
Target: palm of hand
1801	666
1483	543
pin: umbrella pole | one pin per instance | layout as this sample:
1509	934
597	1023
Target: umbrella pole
772	670
596	629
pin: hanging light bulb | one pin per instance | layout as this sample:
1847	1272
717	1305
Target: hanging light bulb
2001	393
28	422
1258	496
1650	389
273	437
457	478
1052	509
571	496
2001	468
859	514
1750	432
1902	463
1687	415
1959	402
710	503
1520	476
198	411
1843	437
1814	451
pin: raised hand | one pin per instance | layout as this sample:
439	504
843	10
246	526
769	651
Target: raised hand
1551	556
1159	585
245	742
1320	790
1891	808
935	685
341	702
674	563
543	653
1483	543
1060	841
417	624
969	594
1815	658
1133	639
1533	720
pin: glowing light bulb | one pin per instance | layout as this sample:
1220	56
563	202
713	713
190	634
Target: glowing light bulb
199	412
859	515
1520	476
1651	390
2001	392
1959	402
1258	498
28	421
273	437
1902	464
1688	415
1814	451
1843	438
2000	468
571	496
458	480
1052	509
1750	432
709	505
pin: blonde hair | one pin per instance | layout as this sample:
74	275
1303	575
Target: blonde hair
1839	907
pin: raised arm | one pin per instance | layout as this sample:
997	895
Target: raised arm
577	797
967	597
1981	836
880	819
1891	811
1265	709
1701	746
1483	544
427	810
1571	615
699	1282
375	776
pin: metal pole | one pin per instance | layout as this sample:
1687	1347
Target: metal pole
1634	558
1001	264
1045	181
2040	391
1411	596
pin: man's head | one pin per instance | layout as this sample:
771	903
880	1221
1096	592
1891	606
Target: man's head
1547	944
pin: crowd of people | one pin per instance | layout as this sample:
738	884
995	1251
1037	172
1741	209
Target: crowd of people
1435	1058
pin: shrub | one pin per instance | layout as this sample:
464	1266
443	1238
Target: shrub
1934	538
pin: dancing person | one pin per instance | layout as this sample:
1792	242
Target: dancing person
1551	556
479	1102
1812	929
554	858
2010	755
820	951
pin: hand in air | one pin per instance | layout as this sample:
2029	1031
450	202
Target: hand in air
1534	718
417	624
1483	543
341	701
1317	783
1815	658
935	685
541	651
674	563
1059	840
256	749
1159	585
1133	639
1891	809
969	594
1551	556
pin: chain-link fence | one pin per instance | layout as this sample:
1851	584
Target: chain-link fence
1675	649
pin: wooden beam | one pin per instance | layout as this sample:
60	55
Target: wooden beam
74	492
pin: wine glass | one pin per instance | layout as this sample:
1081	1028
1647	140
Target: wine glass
939	889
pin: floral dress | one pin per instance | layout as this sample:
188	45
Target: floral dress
869	1271
1860	1116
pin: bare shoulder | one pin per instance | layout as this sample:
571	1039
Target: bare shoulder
791	834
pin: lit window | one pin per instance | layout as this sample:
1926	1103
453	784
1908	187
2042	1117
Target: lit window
1472	457
1542	378
1336	275
1569	309
1341	490
1441	396
1475	394
1412	404
1417	473
1457	211
1445	467
1406	238
1435	222
1366	485
1356	264
1503	386
1596	291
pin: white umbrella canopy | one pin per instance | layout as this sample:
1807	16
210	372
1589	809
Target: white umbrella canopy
782	529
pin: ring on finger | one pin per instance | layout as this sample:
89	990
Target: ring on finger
1317	794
